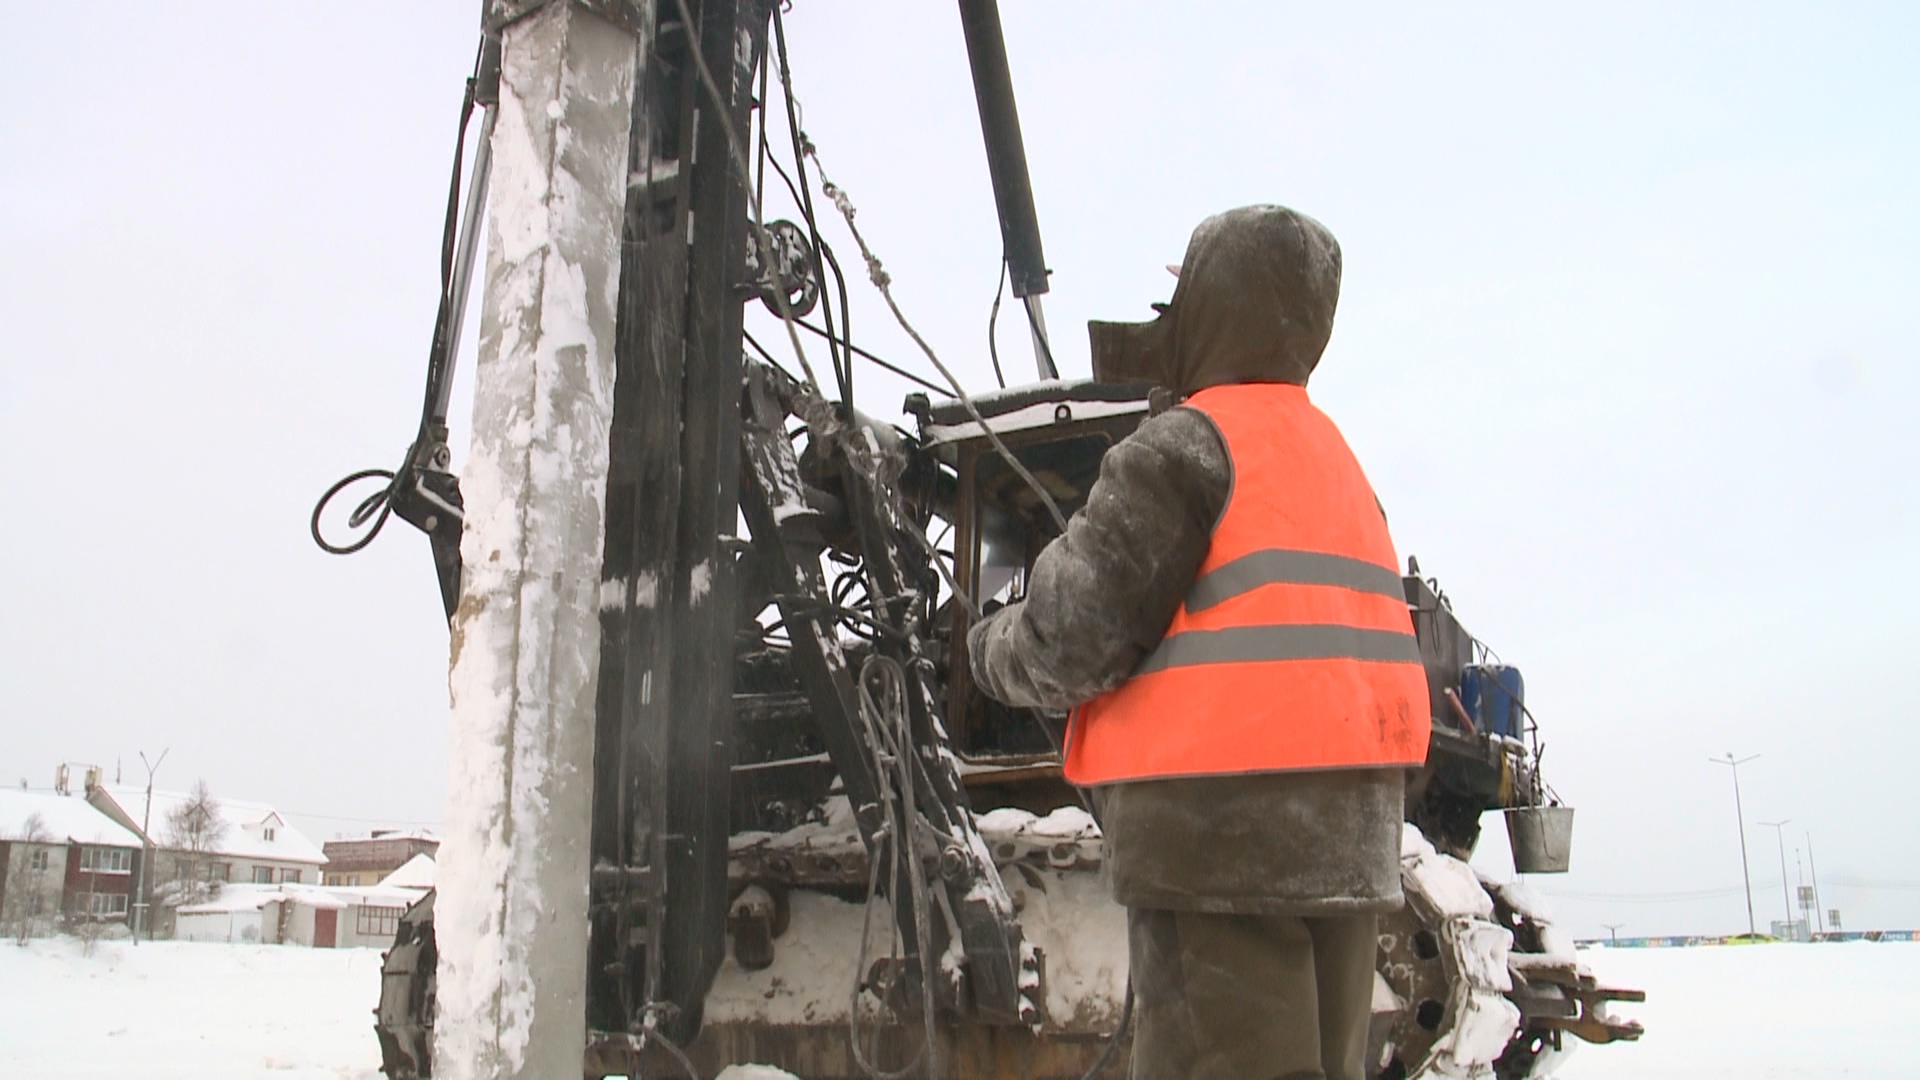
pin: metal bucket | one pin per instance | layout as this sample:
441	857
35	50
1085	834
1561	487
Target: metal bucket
1541	837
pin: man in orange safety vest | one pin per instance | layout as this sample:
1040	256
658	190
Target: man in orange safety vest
1225	621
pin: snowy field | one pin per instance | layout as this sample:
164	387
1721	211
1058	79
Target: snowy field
170	1010
1753	1011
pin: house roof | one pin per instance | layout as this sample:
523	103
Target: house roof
355	895
323	897
247	822
68	818
415	873
427	835
381	851
382	838
236	898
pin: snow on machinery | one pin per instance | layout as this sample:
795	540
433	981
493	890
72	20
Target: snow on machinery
810	840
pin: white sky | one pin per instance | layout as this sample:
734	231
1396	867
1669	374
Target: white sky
1627	344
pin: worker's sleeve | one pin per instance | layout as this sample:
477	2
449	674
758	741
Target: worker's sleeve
1101	596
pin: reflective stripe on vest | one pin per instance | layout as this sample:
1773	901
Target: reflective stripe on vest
1294	648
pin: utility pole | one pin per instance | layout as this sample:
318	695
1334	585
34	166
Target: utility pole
1776	826
146	847
1740	816
512	908
1612	937
1819	915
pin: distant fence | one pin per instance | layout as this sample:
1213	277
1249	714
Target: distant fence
1687	941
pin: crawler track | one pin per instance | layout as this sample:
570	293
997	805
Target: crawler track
1475	981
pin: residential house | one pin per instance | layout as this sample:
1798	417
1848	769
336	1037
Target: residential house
346	916
324	917
242	914
252	843
60	856
360	915
366	860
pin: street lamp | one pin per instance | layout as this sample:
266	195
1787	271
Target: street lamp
1612	937
1740	816
1776	826
1814	872
146	847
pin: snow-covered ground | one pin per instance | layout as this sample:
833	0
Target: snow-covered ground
182	1010
1762	1011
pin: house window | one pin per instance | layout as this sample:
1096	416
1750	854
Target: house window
37	860
263	875
106	905
378	921
220	871
106	860
290	876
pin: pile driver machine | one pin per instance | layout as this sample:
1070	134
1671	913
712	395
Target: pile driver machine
801	836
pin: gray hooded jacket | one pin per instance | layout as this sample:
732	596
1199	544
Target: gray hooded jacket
1254	303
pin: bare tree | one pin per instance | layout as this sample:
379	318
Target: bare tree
87	928
195	829
28	877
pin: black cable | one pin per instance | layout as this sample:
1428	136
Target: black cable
760	96
767	356
782	174
993	318
851	617
841	365
842	339
865	355
845	376
449	240
846	308
823	250
379	506
380	502
843	587
1046	347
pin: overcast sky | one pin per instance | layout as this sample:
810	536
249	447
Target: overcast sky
1627	344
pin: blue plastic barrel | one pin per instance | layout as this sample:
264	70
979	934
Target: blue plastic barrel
1492	694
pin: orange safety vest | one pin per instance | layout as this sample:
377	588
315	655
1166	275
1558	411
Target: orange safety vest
1294	648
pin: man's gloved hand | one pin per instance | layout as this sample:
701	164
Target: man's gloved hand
1100	597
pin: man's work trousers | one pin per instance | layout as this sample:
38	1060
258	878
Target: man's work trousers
1250	997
